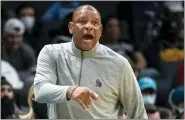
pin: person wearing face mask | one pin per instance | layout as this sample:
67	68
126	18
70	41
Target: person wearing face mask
28	15
176	102
9	110
148	88
37	110
19	54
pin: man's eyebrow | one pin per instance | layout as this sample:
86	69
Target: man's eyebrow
97	18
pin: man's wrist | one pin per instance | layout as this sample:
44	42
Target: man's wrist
70	91
68	96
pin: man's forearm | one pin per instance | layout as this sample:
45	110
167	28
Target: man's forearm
49	93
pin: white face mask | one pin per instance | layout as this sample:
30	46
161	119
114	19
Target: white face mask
149	99
28	21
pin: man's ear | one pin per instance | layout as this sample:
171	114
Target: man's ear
70	27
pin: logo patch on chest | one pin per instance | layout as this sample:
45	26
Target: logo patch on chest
98	83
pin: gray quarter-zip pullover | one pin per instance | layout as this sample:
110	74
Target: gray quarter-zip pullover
107	73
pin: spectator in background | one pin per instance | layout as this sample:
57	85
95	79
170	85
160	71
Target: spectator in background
113	39
14	50
165	113
176	101
12	76
155	112
29	16
37	110
148	88
62	34
9	110
152	111
60	9
9	72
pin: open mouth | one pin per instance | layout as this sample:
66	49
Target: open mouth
88	37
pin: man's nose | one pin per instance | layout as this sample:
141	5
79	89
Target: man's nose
88	26
6	92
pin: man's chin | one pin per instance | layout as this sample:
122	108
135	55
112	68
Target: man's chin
87	47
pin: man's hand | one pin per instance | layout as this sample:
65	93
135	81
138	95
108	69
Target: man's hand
83	96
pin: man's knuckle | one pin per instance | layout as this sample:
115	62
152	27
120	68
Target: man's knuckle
84	88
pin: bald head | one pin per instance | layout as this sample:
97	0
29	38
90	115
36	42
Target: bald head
85	7
85	27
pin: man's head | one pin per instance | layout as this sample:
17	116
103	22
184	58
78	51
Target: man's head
165	113
6	89
152	111
13	33
7	98
112	28
148	88
176	100
86	27
27	13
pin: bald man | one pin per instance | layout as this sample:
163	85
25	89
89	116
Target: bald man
83	79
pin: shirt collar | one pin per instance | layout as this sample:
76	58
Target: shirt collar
86	54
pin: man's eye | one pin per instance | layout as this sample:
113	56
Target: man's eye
95	23
9	90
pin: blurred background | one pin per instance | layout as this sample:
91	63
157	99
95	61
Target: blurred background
150	34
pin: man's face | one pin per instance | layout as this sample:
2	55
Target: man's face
13	41
113	29
27	16
155	116
86	29
7	101
149	96
6	91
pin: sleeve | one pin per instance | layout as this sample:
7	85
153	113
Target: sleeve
130	94
45	88
51	12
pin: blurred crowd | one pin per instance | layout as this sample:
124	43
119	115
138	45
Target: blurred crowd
151	38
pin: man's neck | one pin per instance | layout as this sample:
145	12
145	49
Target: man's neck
85	54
